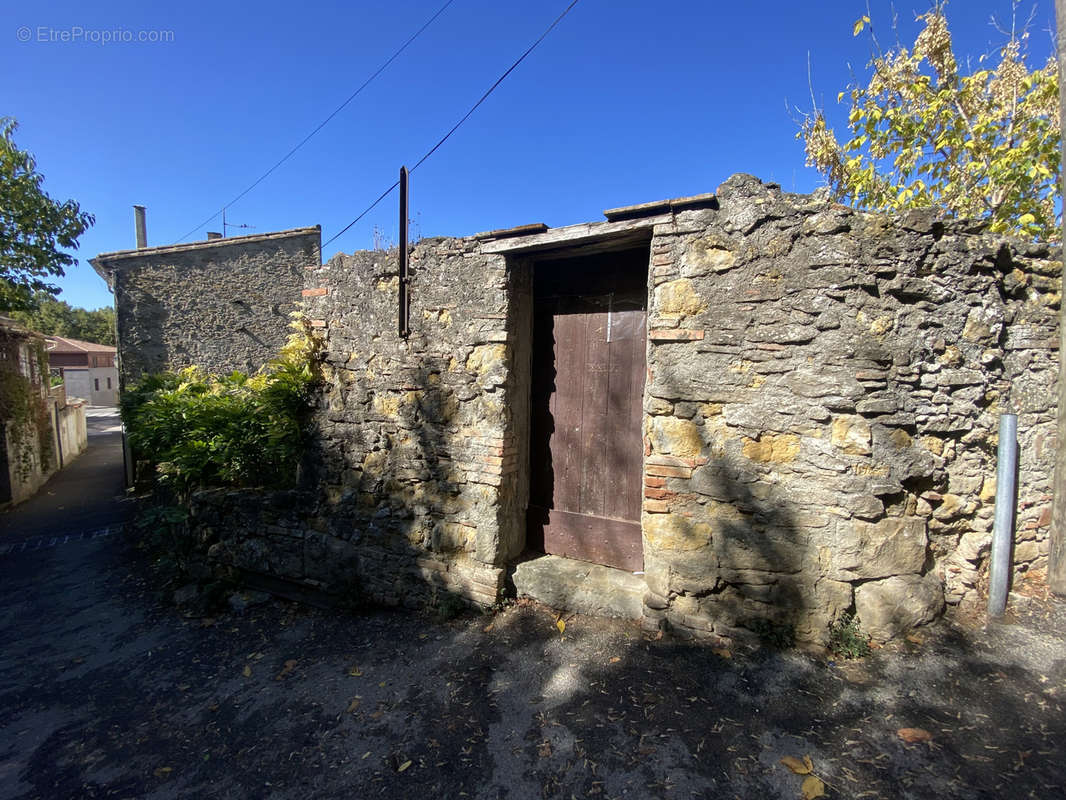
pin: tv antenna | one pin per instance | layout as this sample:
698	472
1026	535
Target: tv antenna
232	224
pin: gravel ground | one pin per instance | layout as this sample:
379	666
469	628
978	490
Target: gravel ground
108	690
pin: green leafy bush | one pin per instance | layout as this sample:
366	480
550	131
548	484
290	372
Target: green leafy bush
846	638
197	430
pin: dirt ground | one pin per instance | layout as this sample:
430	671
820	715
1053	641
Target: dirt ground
109	690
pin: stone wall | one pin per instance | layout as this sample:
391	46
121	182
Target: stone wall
413	487
823	404
223	304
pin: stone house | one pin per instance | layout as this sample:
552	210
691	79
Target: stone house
713	414
222	304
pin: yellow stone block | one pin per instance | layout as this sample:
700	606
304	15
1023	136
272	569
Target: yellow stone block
679	437
852	435
387	405
951	356
933	445
679	299
710	253
778	448
485	356
882	325
675	532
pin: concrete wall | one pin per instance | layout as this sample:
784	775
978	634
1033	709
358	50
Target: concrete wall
72	434
222	304
81	382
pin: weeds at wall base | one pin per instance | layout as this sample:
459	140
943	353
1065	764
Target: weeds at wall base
847	640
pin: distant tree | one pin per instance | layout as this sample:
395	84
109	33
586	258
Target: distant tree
984	145
58	318
33	227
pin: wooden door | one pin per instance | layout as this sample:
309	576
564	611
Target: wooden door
588	385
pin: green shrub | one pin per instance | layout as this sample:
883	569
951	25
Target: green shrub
196	430
777	635
846	638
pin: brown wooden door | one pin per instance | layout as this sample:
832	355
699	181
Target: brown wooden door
588	384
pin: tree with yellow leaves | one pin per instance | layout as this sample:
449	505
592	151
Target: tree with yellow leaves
984	145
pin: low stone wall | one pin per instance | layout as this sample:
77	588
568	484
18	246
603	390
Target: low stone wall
823	402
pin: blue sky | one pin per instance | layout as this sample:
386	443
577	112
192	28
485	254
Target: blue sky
625	102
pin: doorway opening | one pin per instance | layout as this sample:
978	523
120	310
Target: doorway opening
586	420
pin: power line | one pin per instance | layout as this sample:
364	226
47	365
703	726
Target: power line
324	122
455	127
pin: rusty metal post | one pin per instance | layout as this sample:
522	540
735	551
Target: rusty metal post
405	278
1057	534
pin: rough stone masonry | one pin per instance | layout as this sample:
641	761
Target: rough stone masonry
821	406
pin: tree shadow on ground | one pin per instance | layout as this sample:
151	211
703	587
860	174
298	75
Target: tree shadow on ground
288	701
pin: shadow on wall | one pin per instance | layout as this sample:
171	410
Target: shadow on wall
372	521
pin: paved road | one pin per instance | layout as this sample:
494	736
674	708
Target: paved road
108	690
84	497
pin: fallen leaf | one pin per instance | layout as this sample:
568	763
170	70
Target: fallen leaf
560	624
353	706
247	672
355	672
808	763
914	638
913	735
545	750
723	652
488	627
796	765
162	772
615	659
403	766
812	787
290	665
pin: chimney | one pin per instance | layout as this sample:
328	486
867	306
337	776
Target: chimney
142	231
212	235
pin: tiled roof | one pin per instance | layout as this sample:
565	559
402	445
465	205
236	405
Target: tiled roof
61	344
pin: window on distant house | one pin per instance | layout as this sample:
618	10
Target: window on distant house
108	383
97	382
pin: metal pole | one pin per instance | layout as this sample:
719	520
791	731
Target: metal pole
1003	530
405	280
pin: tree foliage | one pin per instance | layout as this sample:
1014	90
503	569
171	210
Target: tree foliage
922	134
33	226
58	318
